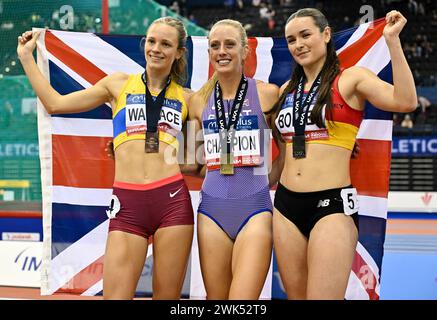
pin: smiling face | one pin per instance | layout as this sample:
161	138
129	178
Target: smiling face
226	50
161	47
305	41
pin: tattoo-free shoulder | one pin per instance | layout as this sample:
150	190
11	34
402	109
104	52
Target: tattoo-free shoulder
268	94
113	83
187	93
118	76
267	88
356	73
196	98
197	102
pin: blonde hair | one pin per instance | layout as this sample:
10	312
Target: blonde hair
207	88
237	25
178	70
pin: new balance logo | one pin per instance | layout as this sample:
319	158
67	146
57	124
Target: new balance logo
323	203
175	193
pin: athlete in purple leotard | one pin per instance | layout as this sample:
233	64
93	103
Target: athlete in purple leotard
241	203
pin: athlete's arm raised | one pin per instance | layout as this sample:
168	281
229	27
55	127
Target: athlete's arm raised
79	101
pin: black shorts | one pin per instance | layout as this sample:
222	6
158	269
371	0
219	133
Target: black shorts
304	209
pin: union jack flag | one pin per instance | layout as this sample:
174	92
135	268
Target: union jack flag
77	175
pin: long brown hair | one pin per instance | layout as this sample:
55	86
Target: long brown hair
178	70
330	70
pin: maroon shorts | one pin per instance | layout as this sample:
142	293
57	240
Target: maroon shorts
144	208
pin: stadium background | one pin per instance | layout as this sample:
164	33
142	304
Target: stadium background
411	242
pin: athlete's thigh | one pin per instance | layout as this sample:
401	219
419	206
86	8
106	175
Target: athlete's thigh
123	263
291	255
251	257
215	253
331	250
171	250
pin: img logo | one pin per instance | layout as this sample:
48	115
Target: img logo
27	261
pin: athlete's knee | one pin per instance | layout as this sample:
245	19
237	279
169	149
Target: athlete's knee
166	294
217	295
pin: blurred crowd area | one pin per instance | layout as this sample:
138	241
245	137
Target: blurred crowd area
259	17
18	120
125	17
268	17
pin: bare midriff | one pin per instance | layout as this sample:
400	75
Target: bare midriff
134	165
324	167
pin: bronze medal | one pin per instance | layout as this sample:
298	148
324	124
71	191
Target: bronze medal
152	142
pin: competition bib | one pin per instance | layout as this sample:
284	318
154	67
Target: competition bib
136	122
136	119
350	201
284	123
